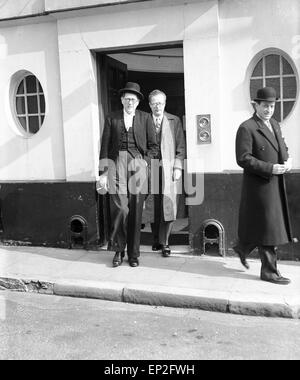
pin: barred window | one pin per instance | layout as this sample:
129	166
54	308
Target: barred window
275	70
30	104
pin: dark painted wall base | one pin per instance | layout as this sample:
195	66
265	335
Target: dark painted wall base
222	198
40	214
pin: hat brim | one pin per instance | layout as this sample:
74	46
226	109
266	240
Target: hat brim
130	91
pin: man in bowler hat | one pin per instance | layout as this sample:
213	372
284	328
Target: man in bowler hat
128	144
264	216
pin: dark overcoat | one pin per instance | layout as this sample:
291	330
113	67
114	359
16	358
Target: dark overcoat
264	216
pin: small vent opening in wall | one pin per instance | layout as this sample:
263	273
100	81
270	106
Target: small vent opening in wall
78	232
213	237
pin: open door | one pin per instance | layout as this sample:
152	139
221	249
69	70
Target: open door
112	76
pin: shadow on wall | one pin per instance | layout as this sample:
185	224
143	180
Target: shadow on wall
123	18
33	37
21	8
250	21
23	42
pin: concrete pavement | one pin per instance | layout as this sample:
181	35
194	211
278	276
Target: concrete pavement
202	282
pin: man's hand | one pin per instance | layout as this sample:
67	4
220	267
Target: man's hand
279	169
177	174
102	184
289	165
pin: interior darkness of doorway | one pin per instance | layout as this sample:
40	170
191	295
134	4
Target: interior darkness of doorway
172	83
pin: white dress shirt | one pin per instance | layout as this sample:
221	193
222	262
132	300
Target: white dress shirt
128	120
267	124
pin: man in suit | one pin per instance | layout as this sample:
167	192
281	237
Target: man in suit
128	144
264	216
162	206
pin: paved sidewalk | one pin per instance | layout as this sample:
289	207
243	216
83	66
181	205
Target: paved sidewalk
207	283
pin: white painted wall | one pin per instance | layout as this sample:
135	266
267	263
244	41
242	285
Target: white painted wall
58	5
247	28
220	39
202	81
41	157
196	24
20	8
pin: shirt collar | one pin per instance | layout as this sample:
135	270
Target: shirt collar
127	116
266	122
160	118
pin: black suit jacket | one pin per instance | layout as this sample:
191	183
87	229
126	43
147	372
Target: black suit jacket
143	131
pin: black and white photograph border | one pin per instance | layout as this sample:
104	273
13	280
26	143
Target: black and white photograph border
207	93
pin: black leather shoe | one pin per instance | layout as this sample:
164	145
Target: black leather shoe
118	259
278	280
134	263
166	252
242	257
156	247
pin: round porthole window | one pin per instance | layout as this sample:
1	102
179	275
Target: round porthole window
275	69
30	106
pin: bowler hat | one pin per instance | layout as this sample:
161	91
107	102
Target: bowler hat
266	94
133	88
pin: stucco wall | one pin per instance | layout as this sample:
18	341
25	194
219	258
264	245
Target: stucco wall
58	5
41	157
247	28
196	24
20	8
220	40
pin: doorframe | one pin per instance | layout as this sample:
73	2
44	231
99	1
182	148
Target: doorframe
142	47
102	101
125	49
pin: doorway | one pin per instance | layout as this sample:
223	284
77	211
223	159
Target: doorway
153	68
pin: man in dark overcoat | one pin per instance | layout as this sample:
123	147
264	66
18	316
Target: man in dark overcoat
128	145
264	217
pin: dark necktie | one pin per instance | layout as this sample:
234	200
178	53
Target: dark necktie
158	125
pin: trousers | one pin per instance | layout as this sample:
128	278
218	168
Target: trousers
268	257
127	195
161	230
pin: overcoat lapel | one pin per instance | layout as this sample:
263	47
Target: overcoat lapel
263	129
136	129
120	122
282	146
